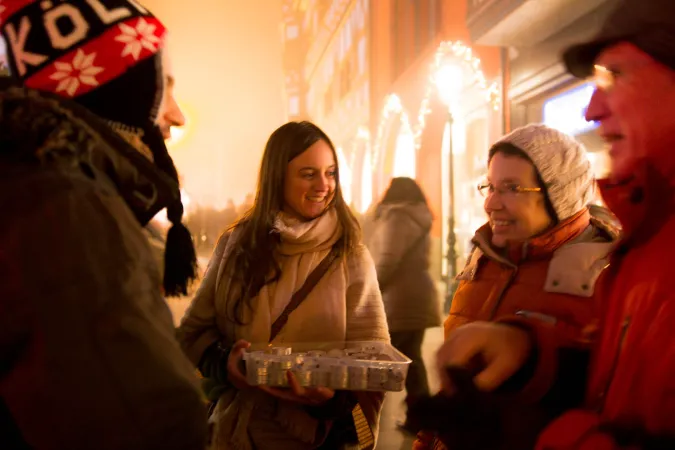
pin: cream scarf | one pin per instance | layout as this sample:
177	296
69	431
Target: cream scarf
250	419
303	247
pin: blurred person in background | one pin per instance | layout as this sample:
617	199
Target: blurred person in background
629	384
400	244
298	231
87	342
538	257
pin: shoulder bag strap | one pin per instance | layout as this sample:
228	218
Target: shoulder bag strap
311	281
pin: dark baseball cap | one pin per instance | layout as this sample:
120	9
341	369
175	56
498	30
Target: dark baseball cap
648	24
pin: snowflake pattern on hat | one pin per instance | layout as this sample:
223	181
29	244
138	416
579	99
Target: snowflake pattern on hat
105	40
81	71
137	38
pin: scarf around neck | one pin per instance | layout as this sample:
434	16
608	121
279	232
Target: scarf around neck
315	235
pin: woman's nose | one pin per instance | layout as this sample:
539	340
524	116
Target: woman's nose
493	202
321	183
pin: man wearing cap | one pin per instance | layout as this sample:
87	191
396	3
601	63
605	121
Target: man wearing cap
630	389
89	358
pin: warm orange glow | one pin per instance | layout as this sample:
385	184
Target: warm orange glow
229	81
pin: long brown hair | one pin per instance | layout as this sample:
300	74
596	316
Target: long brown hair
252	264
402	190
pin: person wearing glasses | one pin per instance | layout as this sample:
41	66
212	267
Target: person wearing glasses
538	257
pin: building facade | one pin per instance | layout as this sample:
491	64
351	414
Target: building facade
417	47
373	72
327	77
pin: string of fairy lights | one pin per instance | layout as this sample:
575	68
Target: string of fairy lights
448	52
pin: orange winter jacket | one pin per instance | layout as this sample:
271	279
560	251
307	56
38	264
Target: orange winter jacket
550	279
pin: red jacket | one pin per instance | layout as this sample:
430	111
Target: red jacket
631	383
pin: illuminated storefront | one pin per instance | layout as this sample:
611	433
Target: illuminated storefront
539	88
565	111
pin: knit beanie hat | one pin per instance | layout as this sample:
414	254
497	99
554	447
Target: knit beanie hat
107	57
562	164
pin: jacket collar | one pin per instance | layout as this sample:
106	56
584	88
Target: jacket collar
541	246
643	203
98	150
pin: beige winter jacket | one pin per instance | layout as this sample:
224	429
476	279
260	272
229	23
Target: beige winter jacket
344	306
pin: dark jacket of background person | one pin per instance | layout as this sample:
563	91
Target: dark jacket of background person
89	357
400	247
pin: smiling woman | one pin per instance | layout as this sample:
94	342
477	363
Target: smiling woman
310	181
298	220
539	255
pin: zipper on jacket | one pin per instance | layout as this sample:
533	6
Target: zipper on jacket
622	338
502	294
537	315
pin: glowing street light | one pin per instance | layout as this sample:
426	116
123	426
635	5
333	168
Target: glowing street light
449	82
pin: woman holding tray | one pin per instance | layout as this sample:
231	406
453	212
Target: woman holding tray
292	270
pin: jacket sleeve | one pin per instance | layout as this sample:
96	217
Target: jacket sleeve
87	342
583	430
366	321
542	366
393	235
555	374
198	330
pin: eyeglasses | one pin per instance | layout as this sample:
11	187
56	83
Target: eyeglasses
505	190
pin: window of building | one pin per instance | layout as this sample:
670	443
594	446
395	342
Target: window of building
342	45
348	34
403	45
362	55
436	12
427	16
328	100
345	77
360	16
329	70
294	105
292	32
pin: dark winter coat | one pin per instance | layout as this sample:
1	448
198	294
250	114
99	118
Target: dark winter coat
89	358
400	245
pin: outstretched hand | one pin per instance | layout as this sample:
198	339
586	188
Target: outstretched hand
501	349
471	419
